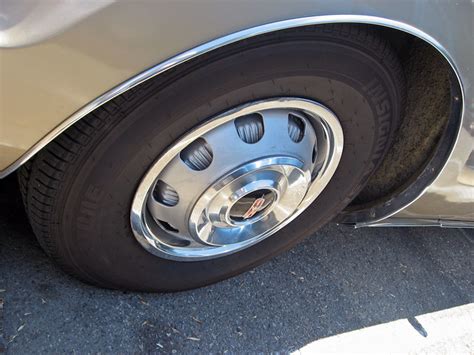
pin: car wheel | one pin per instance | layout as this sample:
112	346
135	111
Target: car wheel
216	166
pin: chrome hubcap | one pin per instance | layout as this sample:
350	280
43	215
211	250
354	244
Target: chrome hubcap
237	179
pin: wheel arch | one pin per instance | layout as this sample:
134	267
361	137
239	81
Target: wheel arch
377	212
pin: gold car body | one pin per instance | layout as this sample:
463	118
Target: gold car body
59	60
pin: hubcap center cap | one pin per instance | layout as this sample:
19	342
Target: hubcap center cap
252	205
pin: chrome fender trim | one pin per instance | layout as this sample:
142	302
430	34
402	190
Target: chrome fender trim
235	37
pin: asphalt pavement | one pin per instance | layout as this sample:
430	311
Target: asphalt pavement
338	280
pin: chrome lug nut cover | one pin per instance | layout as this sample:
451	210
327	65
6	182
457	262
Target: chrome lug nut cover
236	179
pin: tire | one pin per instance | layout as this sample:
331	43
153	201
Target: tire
79	189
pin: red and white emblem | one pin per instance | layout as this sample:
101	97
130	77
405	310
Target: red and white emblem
256	206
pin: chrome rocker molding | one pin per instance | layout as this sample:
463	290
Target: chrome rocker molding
232	38
419	222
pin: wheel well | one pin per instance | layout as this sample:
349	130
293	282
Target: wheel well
431	87
431	90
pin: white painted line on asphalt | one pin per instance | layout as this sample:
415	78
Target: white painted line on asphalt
450	331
